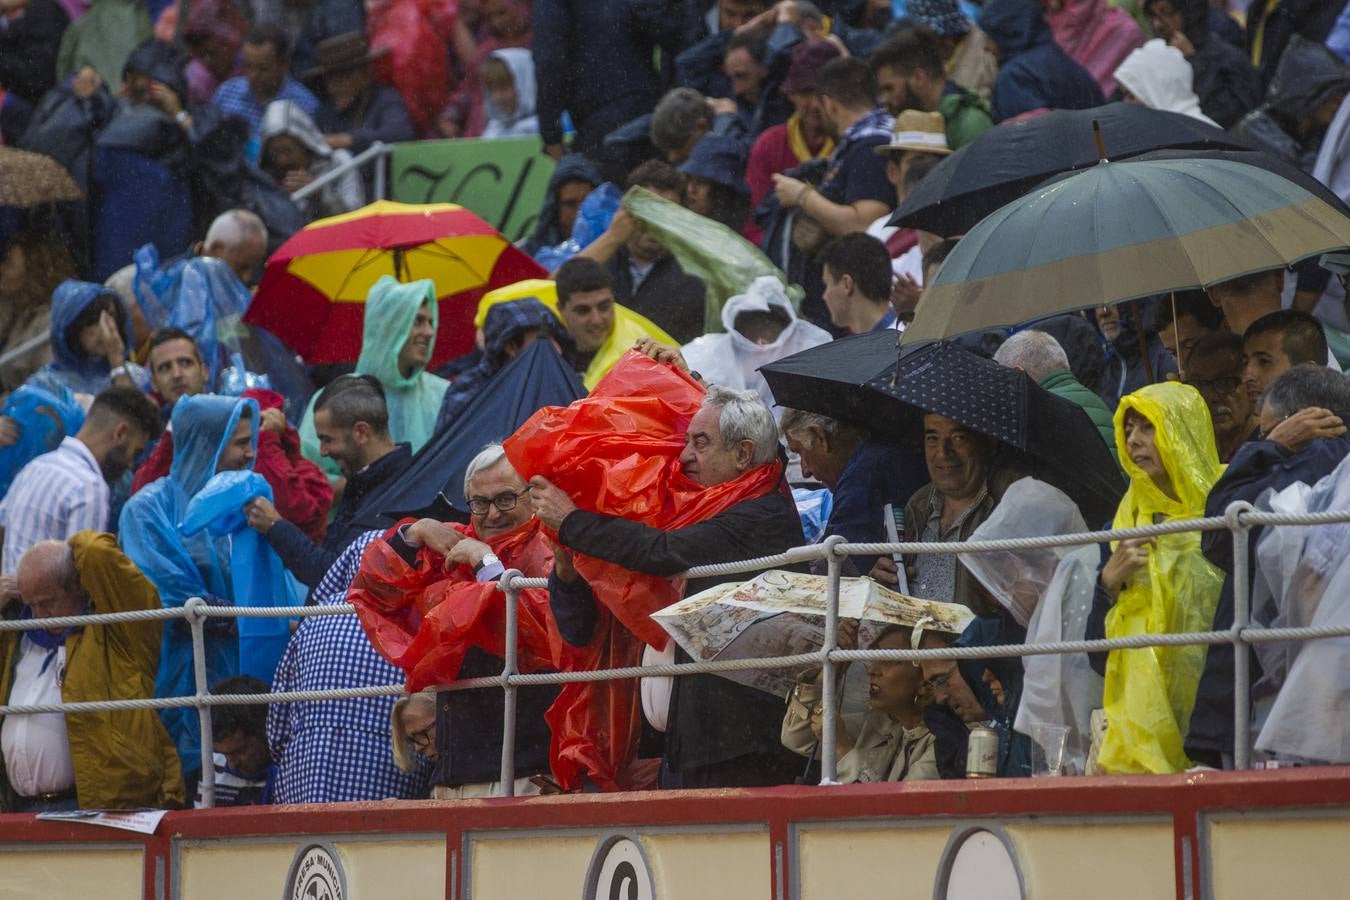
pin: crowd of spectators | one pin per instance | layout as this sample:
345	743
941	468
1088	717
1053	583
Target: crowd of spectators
798	126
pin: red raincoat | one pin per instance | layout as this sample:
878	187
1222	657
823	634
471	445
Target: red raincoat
617	452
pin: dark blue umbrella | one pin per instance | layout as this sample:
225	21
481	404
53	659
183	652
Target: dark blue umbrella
1010	159
434	484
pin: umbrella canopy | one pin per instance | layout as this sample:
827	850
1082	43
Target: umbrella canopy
314	288
831	379
1121	231
783	613
1007	161
1042	434
31	179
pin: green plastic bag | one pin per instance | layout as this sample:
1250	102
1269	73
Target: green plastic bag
726	262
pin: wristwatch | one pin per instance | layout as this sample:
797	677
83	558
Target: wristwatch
489	559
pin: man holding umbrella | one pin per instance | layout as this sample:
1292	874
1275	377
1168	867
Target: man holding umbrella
964	487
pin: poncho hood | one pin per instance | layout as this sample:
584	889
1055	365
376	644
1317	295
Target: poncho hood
202	426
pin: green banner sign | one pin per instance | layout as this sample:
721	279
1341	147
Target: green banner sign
503	181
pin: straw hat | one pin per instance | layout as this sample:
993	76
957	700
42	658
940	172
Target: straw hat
919	132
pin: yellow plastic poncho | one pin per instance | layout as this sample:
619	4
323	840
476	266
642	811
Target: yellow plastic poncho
628	325
1149	693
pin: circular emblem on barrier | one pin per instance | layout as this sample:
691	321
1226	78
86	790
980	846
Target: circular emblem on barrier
316	874
619	871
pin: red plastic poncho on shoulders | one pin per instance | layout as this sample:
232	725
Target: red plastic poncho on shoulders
416	60
424	618
616	452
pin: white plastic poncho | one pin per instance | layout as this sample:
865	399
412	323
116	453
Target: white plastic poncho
1303	580
731	360
1049	592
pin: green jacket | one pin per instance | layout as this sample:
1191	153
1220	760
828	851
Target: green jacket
967	117
1062	384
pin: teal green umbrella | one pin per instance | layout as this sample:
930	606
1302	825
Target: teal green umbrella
1121	231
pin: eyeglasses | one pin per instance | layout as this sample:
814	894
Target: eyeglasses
940	682
1220	387
422	740
505	502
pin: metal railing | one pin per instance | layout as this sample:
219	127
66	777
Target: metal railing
376	153
1238	519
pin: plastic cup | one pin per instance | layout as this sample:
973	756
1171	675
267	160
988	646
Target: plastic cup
1047	749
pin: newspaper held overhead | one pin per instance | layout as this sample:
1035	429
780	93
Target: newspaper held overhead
783	614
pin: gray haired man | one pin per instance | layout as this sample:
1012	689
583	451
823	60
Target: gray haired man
719	733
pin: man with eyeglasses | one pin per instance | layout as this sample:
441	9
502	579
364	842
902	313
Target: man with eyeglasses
1214	368
351	419
428	565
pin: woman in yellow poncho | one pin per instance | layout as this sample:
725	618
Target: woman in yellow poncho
1161	585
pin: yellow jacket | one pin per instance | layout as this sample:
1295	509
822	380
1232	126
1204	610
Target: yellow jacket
122	760
628	325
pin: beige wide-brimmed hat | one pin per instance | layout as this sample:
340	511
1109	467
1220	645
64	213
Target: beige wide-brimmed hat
918	132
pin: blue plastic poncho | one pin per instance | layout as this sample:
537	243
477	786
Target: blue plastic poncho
203	296
184	567
44	417
414	400
260	578
70	367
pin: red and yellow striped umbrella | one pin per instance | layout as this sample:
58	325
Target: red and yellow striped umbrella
314	288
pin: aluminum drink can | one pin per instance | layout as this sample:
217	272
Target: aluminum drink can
982	753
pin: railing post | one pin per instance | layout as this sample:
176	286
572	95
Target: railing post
508	773
1242	614
196	617
828	676
380	160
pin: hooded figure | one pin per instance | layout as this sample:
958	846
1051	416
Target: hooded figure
732	360
548	230
1097	35
414	400
1149	693
509	94
506	332
76	307
1226	82
1049	592
1293	121
1123	369
183	567
1160	78
1034	73
292	142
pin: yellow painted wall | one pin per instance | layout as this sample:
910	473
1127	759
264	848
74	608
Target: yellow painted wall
1255	858
530	868
1072	861
898	863
374	868
72	872
731	866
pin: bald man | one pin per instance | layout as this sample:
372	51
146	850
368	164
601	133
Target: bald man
118	760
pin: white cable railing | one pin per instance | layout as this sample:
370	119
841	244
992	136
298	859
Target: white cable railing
1238	519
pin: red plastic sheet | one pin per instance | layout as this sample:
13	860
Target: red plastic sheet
424	618
412	36
617	452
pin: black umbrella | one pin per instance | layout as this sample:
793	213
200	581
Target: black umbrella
1050	437
831	379
1009	160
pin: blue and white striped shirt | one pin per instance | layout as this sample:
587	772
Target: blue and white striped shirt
53	497
336	750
